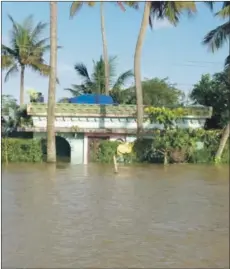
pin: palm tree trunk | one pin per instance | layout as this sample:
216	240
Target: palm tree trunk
105	50
22	77
225	135
137	67
223	142
51	143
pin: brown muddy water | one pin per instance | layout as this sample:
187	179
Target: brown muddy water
86	217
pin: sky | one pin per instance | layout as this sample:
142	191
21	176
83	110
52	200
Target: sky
173	52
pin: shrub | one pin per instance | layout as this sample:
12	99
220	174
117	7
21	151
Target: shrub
106	151
179	145
21	150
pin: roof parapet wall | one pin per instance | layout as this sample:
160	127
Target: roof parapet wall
121	111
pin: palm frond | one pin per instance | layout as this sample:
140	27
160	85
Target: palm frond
224	13
7	61
121	6
170	10
15	24
73	92
28	23
82	71
227	62
122	79
132	4
42	69
209	4
75	7
91	3
8	51
96	82
38	29
216	38
12	71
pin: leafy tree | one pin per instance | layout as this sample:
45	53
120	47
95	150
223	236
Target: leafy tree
76	6
156	92
96	83
9	103
26	50
214	91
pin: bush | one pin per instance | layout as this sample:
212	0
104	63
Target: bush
106	151
179	145
21	150
145	152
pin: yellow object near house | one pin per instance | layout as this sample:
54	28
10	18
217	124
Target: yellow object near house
124	148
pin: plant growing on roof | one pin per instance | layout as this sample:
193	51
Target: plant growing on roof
164	116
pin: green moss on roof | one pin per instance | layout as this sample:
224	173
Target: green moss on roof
63	109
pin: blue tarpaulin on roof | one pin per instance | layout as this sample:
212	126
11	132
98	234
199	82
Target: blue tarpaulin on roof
92	99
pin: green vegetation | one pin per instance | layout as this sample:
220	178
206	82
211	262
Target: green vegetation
96	83
156	92
214	91
217	37
21	150
107	149
27	50
169	146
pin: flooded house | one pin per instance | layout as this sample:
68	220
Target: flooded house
86	120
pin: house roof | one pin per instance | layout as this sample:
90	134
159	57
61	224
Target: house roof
87	110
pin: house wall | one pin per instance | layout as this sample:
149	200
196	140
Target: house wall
110	123
76	143
79	142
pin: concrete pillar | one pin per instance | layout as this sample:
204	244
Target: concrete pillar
85	149
77	149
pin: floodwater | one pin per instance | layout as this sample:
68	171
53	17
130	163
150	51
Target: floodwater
87	217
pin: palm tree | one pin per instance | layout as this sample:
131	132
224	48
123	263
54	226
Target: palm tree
51	147
154	10
26	50
76	6
96	83
215	39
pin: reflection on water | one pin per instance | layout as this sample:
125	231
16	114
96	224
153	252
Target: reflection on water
63	216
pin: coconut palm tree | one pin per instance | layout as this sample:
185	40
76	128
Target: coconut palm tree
27	48
51	147
76	6
96	83
215	39
156	10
